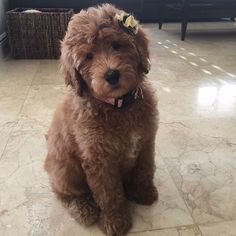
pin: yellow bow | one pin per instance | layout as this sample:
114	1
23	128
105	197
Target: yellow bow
128	22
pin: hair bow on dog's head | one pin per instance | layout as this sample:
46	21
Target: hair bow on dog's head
128	23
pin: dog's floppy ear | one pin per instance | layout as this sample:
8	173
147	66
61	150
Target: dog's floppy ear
68	69
142	47
81	86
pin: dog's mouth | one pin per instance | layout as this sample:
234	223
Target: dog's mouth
115	86
101	88
115	92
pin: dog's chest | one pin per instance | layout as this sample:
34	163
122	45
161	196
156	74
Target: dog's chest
134	146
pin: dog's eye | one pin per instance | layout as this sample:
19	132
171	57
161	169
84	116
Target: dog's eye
89	56
116	45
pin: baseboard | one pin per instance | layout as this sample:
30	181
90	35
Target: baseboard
4	48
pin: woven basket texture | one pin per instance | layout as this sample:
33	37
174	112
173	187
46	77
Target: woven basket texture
37	35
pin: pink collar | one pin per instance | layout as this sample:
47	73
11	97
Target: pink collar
125	100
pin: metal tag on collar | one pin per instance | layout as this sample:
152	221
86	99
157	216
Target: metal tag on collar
118	103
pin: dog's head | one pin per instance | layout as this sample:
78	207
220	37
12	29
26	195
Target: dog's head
104	52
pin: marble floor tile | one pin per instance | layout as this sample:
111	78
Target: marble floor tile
11	102
179	231
40	105
17	72
22	183
165	76
163	213
200	155
48	73
5	131
225	73
227	228
206	101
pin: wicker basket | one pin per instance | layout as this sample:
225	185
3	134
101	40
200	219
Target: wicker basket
37	35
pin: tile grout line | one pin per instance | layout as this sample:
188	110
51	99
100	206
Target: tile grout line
20	110
216	222
179	227
36	71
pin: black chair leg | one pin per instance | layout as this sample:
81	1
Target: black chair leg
161	13
232	19
184	29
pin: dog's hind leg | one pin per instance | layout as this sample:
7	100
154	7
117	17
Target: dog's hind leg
82	208
69	185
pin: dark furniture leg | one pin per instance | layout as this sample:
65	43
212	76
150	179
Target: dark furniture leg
161	13
185	18
160	24
232	19
184	29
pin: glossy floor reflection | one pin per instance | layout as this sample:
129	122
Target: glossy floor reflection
196	144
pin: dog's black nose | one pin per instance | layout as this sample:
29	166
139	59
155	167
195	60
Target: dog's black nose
112	76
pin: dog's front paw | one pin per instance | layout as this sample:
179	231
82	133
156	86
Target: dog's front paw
115	223
144	195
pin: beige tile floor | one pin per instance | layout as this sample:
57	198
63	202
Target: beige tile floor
196	143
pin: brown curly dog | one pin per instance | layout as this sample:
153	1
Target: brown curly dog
102	137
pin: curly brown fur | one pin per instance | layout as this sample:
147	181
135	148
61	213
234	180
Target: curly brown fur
99	156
